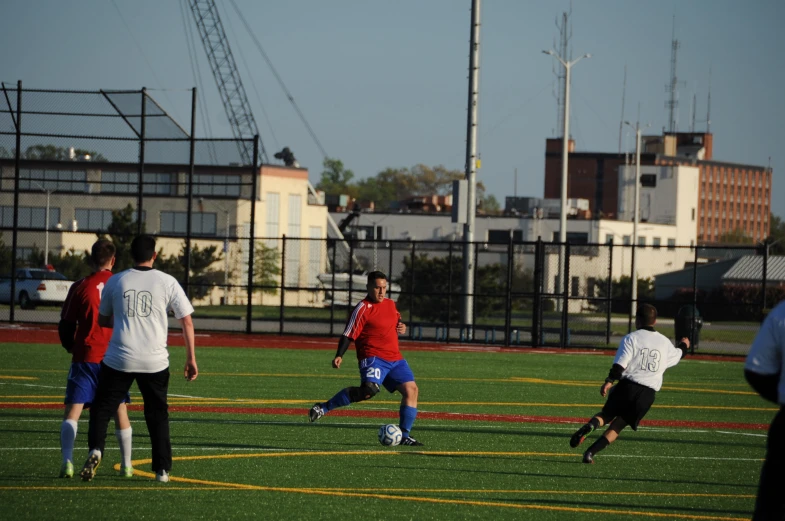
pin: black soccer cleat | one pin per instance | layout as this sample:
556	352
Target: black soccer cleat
411	442
588	457
580	435
315	412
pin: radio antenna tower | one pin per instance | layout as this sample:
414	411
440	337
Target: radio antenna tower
673	103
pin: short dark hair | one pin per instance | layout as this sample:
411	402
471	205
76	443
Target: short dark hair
102	252
142	248
376	275
646	314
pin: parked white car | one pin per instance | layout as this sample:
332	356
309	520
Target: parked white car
36	286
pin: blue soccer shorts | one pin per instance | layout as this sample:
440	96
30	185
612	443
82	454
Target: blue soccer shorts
82	383
382	372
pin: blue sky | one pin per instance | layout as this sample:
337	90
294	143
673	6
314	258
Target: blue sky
384	83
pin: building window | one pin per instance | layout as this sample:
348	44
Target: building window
591	282
52	180
693	214
655	243
175	223
642	241
502	236
295	213
672	243
315	246
575	287
128	183
626	240
217	185
272	232
608	238
30	217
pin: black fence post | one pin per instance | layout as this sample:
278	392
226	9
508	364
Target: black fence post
252	235
449	294
609	296
411	289
332	301
566	296
283	284
473	336
17	173
140	194
349	306
764	282
536	306
508	307
189	213
694	296
632	263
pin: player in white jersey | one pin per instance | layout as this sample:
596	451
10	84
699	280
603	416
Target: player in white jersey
641	360
764	371
135	303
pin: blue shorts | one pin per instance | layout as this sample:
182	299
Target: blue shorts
82	383
382	372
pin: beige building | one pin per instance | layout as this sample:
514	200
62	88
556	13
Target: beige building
78	197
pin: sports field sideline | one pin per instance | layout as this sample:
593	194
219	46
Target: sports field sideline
495	424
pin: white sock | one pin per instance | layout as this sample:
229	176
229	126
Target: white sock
67	438
124	439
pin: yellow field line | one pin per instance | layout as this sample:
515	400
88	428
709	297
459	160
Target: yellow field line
6	377
339	493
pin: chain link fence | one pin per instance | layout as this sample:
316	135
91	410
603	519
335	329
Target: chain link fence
81	165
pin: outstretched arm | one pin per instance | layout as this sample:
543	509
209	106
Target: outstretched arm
191	371
343	344
613	375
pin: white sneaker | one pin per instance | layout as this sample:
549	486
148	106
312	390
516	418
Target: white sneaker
162	476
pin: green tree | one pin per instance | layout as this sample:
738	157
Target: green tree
203	278
121	231
776	235
621	293
335	178
56	153
437	287
490	205
5	259
266	268
73	264
736	236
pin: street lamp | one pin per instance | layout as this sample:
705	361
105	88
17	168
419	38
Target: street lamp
564	151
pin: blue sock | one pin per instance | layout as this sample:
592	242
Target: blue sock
339	400
407	416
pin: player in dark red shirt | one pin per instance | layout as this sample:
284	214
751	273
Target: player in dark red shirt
374	326
81	336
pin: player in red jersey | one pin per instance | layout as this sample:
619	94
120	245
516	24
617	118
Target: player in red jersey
374	327
81	336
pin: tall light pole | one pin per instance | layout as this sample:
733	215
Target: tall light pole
564	153
46	223
635	218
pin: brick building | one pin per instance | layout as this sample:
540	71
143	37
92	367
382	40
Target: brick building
732	197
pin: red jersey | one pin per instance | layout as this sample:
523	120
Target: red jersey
81	307
372	326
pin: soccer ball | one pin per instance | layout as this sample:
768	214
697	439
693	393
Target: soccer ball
390	435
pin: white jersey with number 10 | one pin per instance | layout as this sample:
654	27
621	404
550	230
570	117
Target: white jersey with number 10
645	355
139	300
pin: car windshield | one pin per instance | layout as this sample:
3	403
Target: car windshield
46	275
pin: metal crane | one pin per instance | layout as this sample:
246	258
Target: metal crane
227	77
234	98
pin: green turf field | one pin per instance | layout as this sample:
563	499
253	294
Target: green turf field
244	449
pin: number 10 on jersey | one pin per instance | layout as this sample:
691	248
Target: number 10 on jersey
137	303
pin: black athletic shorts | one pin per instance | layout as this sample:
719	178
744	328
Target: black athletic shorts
629	401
